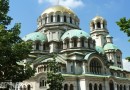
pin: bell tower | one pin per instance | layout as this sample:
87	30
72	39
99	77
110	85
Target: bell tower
98	27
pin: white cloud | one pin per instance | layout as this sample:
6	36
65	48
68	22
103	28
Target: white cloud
68	3
40	1
126	65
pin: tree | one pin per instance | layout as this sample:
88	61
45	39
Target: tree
124	25
13	49
54	77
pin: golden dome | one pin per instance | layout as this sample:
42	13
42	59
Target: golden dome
58	8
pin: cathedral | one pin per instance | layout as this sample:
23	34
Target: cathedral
88	61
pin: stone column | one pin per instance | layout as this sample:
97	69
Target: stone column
84	68
61	18
48	19
95	25
64	46
115	86
70	43
101	25
86	43
78	42
54	18
106	86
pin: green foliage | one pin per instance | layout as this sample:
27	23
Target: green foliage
54	77
124	25
13	49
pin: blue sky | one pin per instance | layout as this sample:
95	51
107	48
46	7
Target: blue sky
26	12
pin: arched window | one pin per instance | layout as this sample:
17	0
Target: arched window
95	66
37	45
67	43
45	19
117	87
120	87
95	86
24	87
51	18
42	83
82	42
70	19
71	87
100	87
89	42
28	87
58	18
124	87
44	46
65	19
66	87
111	85
90	86
74	42
20	87
98	25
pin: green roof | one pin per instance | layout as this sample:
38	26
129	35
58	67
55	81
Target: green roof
116	68
108	35
35	36
88	55
110	46
99	49
75	33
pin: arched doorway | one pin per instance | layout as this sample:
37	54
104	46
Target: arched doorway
90	86
95	86
71	87
111	85
66	87
100	87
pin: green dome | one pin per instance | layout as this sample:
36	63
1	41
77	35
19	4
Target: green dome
99	49
35	36
110	46
75	33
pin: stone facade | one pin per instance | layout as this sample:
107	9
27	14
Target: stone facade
88	61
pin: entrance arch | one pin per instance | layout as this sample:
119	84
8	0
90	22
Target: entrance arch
111	85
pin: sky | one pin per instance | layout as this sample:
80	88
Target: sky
26	12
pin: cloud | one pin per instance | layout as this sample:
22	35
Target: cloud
126	65
68	3
40	1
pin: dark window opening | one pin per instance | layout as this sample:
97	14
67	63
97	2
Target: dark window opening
51	18
65	20
98	25
70	19
58	18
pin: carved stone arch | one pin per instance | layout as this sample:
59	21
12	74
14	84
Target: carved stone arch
66	86
111	84
90	86
95	65
95	86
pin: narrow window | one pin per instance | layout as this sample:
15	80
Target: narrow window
71	87
99	25
70	19
51	18
65	19
58	18
37	45
45	19
90	86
